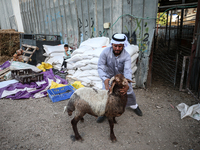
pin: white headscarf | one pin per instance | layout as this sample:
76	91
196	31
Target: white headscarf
120	39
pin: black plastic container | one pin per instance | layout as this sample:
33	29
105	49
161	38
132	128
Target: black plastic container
39	40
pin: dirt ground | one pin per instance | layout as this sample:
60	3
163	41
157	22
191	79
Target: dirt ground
39	124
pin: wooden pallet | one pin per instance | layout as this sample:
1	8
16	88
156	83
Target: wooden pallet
28	52
26	76
3	73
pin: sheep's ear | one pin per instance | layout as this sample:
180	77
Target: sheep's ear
130	81
112	86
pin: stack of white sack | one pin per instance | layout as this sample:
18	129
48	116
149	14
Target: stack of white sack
133	51
82	65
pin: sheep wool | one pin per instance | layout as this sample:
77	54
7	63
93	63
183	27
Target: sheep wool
97	99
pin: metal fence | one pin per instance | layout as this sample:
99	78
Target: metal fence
173	43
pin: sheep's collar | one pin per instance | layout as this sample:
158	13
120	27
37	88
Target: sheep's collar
97	99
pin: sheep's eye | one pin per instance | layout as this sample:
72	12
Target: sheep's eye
124	82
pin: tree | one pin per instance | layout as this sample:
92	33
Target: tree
162	18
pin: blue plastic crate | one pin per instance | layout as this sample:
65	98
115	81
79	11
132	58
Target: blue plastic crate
61	93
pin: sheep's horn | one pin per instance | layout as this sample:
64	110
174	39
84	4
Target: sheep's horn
112	86
111	80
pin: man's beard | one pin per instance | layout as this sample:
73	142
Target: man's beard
117	53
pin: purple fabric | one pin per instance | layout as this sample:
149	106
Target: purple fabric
63	81
24	94
5	65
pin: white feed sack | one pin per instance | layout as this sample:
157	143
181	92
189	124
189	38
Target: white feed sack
78	57
96	42
54	55
86	78
94	52
71	72
54	60
89	67
133	64
54	49
81	63
49	49
134	70
81	50
134	57
132	49
94	72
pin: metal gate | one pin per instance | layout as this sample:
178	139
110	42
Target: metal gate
172	48
165	53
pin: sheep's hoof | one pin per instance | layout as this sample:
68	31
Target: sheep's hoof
69	113
114	140
79	138
74	138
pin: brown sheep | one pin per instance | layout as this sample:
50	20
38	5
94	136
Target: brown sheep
98	103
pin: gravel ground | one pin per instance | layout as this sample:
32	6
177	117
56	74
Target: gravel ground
36	124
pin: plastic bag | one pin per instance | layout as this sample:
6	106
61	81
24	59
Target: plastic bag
192	111
15	65
56	85
44	66
77	85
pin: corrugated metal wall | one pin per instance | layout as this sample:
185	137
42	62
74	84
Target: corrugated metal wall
78	20
7	17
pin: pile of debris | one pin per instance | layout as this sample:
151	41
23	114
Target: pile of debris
21	82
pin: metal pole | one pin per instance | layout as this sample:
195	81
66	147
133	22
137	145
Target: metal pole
169	30
166	27
181	25
177	42
188	4
183	73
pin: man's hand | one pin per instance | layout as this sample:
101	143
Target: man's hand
124	90
106	83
